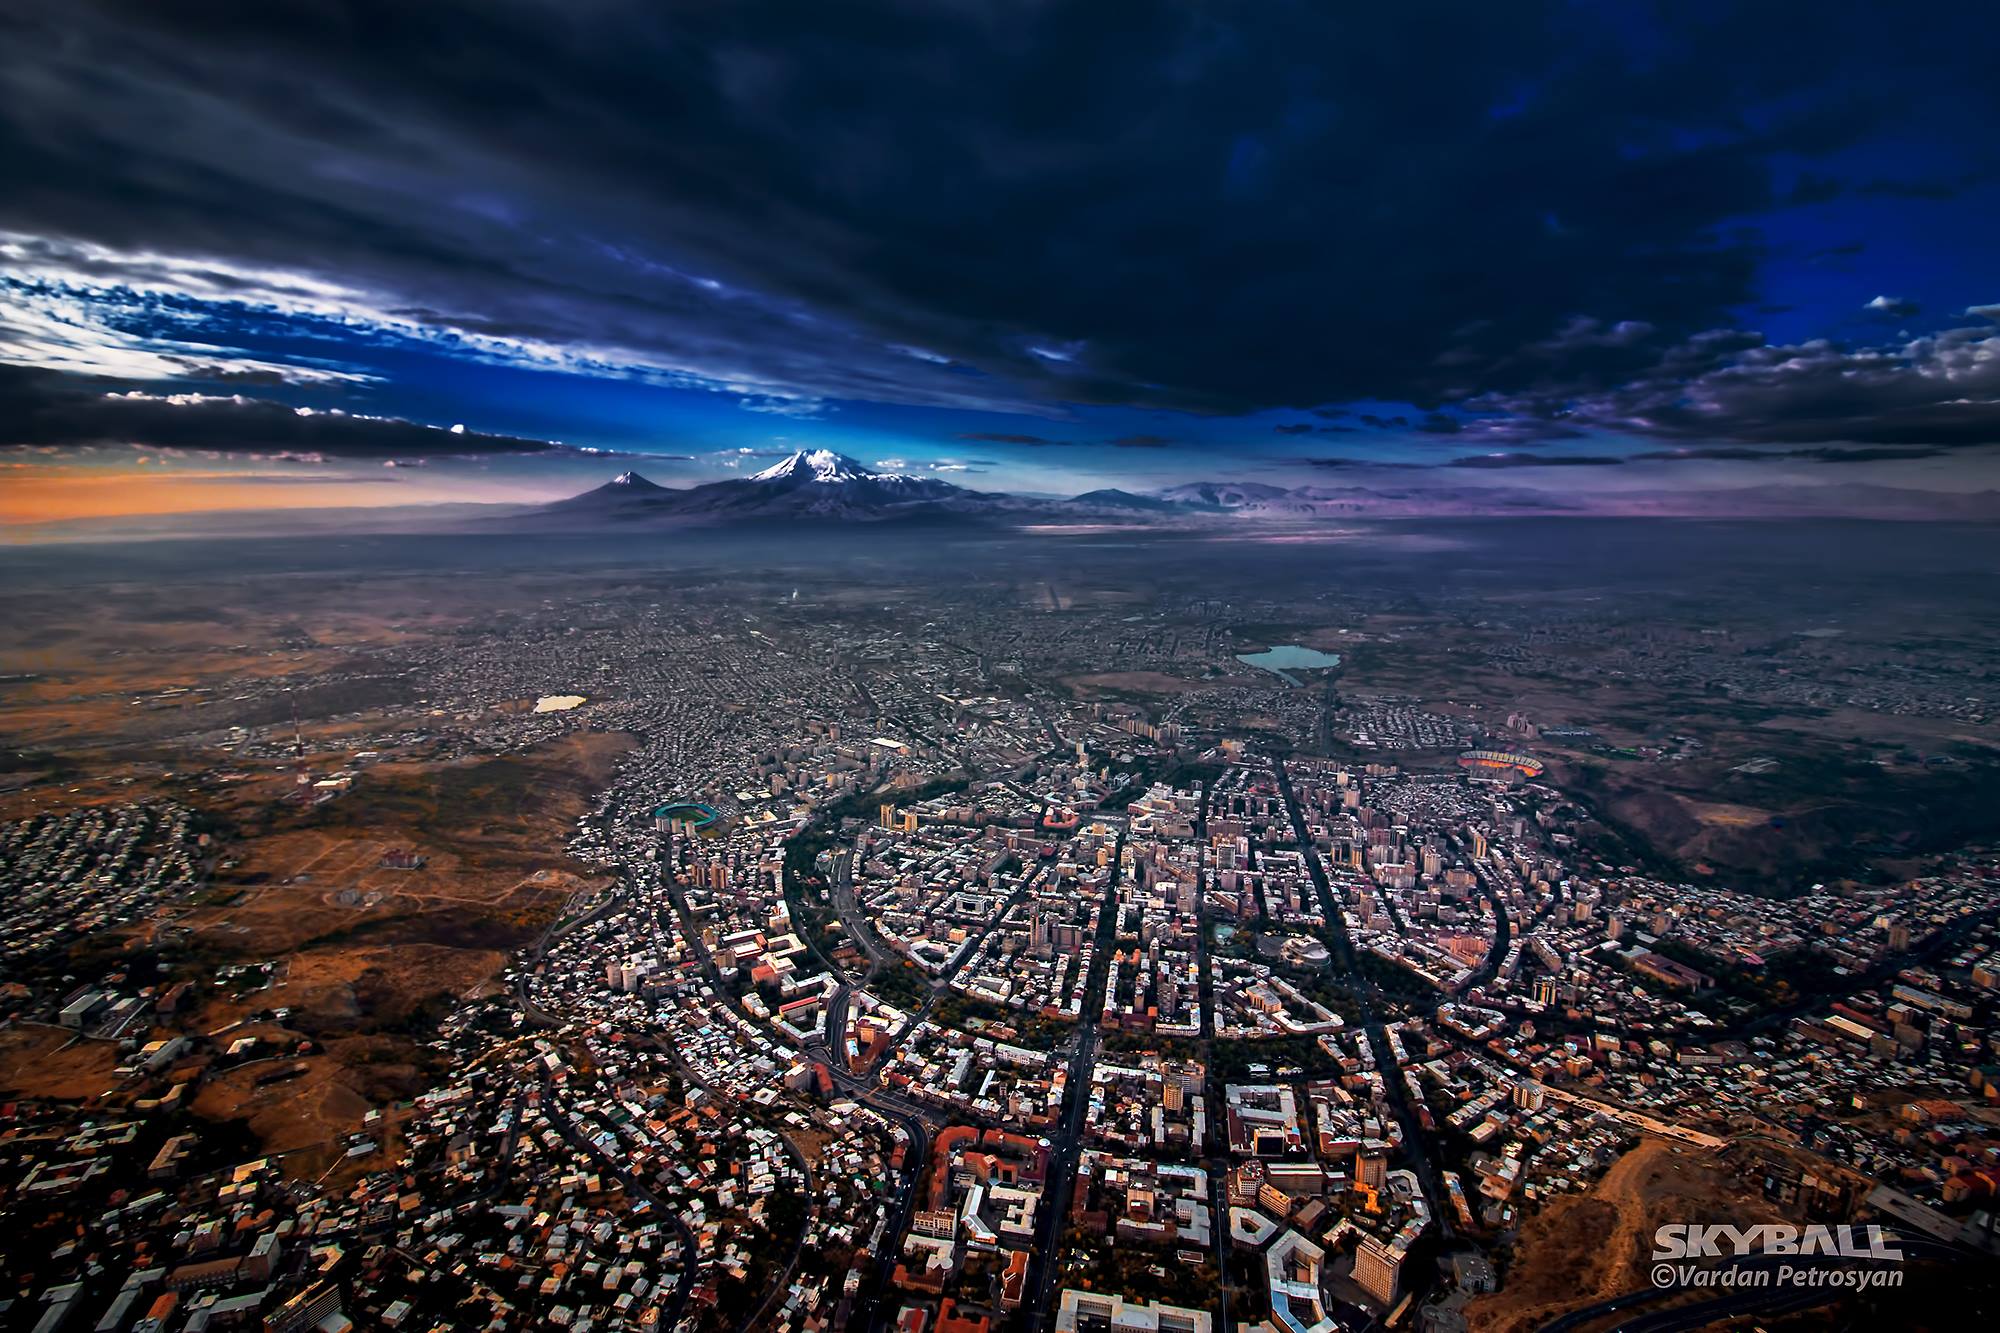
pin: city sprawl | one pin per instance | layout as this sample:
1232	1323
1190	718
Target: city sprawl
947	961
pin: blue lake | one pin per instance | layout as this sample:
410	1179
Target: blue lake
1289	656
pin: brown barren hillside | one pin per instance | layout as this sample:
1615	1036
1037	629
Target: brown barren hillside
1580	1249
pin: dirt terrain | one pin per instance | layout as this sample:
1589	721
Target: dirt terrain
375	911
1135	682
37	1061
468	854
124	668
1580	1249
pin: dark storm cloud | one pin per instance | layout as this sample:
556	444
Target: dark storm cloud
1815	189
1157	205
1534	460
1826	454
1939	391
1704	454
45	409
1929	188
1342	464
1142	441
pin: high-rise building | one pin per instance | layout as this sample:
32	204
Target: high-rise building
1378	1270
306	1309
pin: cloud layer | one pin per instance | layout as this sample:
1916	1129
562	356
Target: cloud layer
47	410
1938	391
1527	222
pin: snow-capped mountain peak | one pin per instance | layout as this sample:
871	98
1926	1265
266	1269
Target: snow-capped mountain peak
818	465
812	483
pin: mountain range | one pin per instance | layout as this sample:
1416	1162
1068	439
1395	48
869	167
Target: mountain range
820	484
810	484
824	486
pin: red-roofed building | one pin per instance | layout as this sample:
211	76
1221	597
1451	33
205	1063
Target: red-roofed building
949	1320
1014	1281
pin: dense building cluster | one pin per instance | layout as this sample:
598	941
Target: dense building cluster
922	995
67	876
